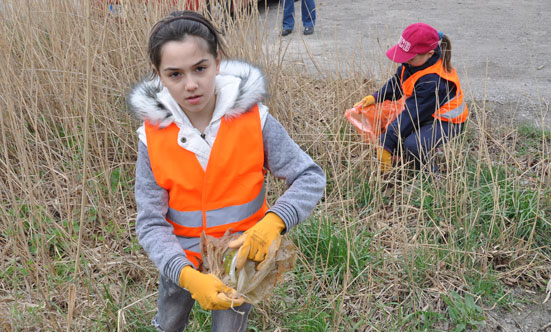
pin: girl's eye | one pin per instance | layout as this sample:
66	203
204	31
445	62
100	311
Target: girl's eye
201	68
174	74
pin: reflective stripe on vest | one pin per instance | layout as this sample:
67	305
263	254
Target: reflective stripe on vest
229	194
218	217
453	113
455	110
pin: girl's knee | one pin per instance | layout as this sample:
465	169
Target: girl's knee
174	305
169	326
231	320
172	319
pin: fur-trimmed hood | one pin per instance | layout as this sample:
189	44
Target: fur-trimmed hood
148	101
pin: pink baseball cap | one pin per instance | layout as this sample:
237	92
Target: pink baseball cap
418	38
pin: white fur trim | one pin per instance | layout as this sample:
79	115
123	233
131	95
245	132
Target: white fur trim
252	88
145	103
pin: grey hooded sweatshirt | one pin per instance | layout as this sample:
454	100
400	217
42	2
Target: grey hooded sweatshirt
239	86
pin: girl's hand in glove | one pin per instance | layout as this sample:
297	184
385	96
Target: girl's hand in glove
256	241
366	101
208	290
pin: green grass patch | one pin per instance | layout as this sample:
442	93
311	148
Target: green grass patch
463	313
328	248
488	288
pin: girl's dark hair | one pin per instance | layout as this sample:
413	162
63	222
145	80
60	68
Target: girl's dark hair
176	27
446	47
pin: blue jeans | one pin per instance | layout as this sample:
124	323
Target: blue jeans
174	306
308	13
420	144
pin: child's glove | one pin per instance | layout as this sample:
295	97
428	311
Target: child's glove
256	241
385	159
208	290
366	101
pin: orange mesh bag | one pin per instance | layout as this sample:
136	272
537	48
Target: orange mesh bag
373	120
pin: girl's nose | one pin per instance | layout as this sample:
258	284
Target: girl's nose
190	85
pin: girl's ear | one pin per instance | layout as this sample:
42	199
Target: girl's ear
155	71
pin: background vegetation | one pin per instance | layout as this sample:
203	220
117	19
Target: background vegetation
409	251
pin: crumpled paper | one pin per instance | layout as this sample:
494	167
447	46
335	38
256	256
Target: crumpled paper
251	284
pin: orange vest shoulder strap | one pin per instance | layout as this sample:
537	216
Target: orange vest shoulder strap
437	68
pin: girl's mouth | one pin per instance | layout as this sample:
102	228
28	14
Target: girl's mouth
194	100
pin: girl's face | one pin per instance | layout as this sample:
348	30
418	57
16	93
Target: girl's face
420	59
188	71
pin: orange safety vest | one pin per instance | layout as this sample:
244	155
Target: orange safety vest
455	110
229	194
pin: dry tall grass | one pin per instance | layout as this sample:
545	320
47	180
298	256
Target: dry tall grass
69	258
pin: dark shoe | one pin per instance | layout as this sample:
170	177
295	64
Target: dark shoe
308	31
286	32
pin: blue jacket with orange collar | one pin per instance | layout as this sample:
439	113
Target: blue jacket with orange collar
431	92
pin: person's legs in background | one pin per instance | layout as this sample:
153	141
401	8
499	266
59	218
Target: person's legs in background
308	16
288	16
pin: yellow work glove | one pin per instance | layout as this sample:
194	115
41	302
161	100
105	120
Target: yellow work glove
208	290
366	101
256	241
385	159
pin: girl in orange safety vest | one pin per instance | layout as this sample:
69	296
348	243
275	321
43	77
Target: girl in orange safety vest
434	110
204	147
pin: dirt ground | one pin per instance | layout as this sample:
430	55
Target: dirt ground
501	48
